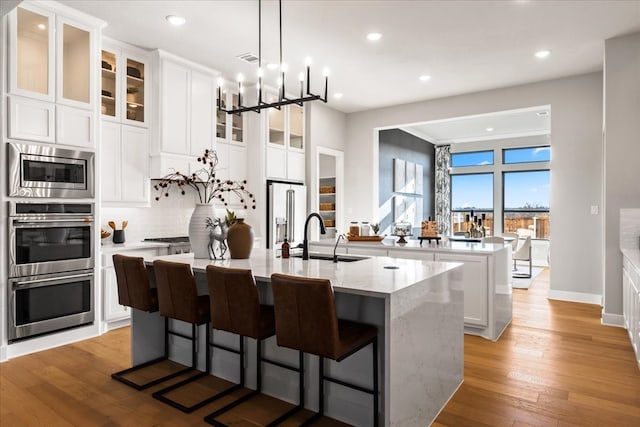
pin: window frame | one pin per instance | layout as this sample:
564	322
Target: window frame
493	158
504	152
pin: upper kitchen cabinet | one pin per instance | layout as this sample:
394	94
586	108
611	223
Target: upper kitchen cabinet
229	127
124	91
285	158
52	73
185	114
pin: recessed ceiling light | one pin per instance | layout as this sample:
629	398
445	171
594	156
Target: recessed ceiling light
424	77
272	66
175	20
542	53
374	36
337	95
542	113
489	129
42	26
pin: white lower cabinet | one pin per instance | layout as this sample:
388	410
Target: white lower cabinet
399	253
476	285
631	303
367	251
124	164
31	119
114	314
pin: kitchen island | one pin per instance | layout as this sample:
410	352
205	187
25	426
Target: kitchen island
417	307
486	275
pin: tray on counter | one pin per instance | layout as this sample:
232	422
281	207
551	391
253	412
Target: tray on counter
352	238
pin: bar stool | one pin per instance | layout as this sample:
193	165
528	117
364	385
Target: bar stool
178	299
135	291
306	320
236	308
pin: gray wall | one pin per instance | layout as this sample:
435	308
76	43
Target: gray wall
576	166
396	143
622	157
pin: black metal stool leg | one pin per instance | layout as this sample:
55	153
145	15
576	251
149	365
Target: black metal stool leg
120	375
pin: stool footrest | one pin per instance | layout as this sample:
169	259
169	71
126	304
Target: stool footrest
119	376
349	385
160	394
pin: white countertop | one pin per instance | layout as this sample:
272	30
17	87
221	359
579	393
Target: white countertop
108	248
414	245
365	277
633	255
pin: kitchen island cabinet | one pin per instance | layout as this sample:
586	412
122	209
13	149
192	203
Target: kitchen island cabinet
486	275
417	308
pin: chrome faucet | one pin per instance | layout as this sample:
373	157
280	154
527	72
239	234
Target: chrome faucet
335	248
305	243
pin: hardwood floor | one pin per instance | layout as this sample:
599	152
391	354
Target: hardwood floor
554	366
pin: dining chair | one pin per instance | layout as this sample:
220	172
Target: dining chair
514	242
493	239
523	254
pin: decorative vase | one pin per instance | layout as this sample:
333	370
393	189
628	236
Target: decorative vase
198	231
240	239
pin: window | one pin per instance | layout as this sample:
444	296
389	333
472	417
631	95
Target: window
472	192
526	203
476	158
526	155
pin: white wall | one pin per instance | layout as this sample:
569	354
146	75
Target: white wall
576	166
622	157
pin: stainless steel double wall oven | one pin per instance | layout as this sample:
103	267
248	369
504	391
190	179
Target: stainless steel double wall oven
51	267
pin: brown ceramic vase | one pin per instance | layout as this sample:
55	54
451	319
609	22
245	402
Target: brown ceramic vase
240	239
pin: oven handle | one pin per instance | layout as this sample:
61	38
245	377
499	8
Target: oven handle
46	282
36	222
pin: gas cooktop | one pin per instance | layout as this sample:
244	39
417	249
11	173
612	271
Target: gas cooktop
168	239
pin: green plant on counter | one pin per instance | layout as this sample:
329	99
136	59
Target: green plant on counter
230	218
375	227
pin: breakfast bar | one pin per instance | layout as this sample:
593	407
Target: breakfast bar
416	305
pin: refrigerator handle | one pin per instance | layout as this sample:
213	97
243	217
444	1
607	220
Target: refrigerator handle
291	217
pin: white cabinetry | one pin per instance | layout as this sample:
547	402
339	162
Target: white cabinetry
231	137
185	113
285	157
52	67
114	314
631	303
476	288
124	164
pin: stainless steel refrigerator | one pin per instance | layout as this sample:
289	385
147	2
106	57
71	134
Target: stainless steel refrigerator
287	211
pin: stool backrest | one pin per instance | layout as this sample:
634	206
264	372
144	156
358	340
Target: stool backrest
233	296
177	291
134	289
305	312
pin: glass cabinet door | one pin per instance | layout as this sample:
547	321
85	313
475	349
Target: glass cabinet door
109	85
135	90
236	122
276	126
32	53
221	118
296	119
75	47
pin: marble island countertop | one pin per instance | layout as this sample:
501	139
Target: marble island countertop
414	245
370	276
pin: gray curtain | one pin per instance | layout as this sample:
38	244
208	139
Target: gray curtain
443	189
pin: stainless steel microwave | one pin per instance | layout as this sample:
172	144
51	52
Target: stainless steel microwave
37	170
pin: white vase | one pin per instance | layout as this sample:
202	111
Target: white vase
198	231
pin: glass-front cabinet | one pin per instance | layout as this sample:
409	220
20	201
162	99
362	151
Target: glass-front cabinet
285	143
52	74
229	127
123	80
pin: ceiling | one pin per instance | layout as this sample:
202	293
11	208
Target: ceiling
465	46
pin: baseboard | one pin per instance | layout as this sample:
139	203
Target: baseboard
3	354
580	297
612	320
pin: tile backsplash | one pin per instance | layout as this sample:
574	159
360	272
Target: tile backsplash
630	228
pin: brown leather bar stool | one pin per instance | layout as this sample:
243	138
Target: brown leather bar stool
178	299
306	320
236	308
135	291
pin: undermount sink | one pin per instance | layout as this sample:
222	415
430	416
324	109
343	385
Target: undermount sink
329	257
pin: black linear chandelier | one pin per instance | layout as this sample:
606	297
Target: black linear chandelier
282	98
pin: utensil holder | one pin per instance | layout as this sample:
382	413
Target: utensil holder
118	236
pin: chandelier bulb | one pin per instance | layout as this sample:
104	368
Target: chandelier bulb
260	72
325	72
240	78
220	82
283	67
301	76
279	81
307	61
